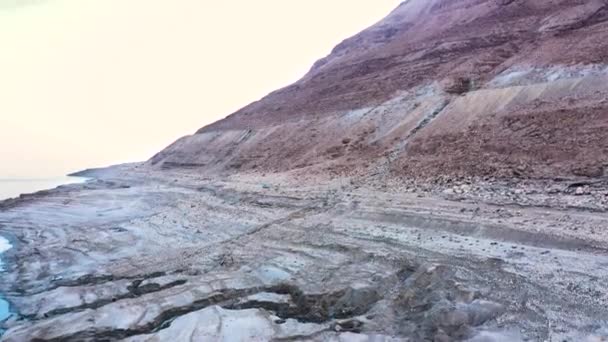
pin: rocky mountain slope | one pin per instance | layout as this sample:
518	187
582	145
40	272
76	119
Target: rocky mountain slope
460	88
308	216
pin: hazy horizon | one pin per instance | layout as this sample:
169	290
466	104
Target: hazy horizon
92	83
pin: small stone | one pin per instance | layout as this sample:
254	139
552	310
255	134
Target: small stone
441	337
455	319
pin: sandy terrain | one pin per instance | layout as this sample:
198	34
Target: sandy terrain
142	255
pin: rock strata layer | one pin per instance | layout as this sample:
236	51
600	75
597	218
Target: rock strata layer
144	255
440	176
459	87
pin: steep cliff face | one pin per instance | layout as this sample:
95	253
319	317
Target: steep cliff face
439	87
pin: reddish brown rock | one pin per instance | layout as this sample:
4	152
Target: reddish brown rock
459	87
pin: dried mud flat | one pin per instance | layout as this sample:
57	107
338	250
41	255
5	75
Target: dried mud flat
143	255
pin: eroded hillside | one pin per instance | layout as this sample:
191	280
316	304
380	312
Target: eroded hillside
465	88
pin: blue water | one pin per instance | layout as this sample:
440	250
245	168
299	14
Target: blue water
4	307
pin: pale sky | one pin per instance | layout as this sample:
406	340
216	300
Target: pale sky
87	83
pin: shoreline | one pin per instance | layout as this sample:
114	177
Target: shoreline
24	187
9	242
5	308
145	239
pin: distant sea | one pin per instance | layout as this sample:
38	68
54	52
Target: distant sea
10	188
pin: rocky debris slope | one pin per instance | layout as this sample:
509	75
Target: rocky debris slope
458	87
146	255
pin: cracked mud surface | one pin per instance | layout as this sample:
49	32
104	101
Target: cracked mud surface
143	256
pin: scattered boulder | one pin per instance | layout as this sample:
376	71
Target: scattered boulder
582	190
457	85
433	306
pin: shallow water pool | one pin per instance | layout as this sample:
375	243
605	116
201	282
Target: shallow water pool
4	307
